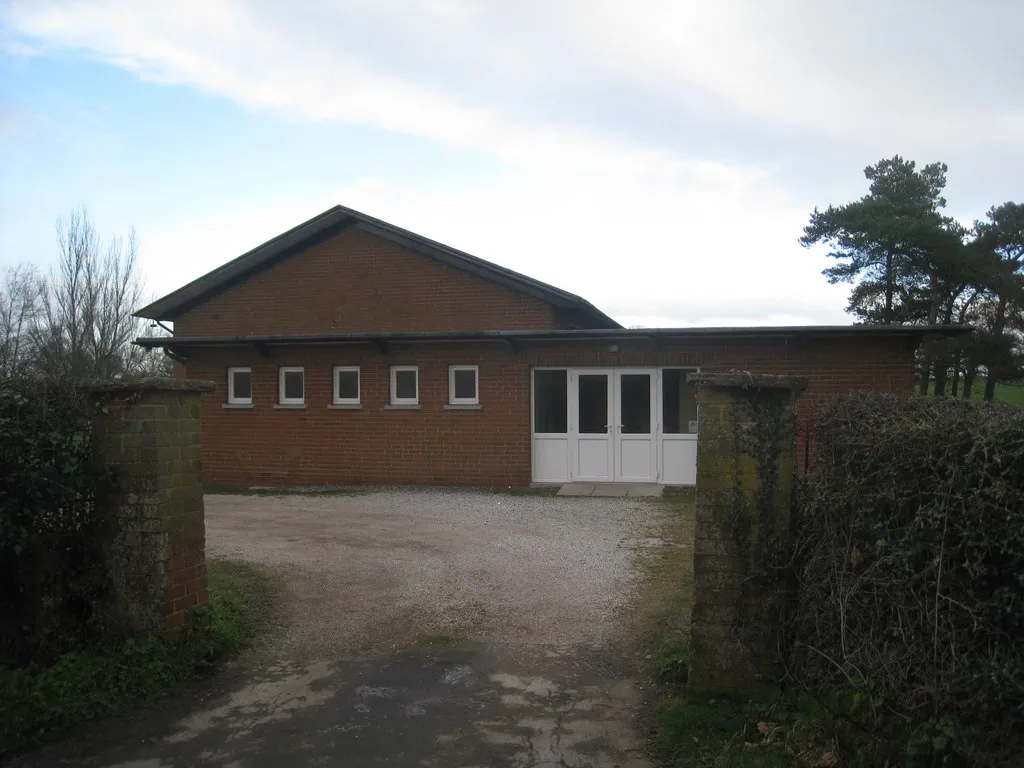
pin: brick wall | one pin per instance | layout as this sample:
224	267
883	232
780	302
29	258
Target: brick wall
355	282
149	433
491	445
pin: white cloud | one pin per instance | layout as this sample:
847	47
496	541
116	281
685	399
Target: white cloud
466	72
668	256
651	232
903	73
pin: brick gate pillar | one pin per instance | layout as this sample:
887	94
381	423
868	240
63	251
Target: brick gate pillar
745	475
148	432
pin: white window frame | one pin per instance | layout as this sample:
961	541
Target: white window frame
336	400
452	399
232	400
395	399
281	399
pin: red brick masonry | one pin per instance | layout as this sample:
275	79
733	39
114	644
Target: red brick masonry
357	282
353	281
491	446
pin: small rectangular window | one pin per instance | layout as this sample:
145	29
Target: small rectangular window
291	386
346	385
240	386
462	385
405	385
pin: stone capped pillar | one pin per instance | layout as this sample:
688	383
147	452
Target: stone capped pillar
148	431
746	471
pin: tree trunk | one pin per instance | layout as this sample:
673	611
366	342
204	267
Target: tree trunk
998	326
940	378
970	371
926	369
944	354
990	387
888	288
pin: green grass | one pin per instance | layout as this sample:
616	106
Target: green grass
1006	392
92	683
709	731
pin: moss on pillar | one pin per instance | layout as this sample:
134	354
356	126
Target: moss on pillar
745	482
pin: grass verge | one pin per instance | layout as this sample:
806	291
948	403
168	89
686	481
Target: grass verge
709	731
662	610
37	702
705	731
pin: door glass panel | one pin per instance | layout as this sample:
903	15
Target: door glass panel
635	402
593	404
551	402
679	401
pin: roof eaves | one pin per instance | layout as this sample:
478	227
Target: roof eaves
563	335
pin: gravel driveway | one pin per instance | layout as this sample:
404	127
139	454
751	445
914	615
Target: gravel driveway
386	568
418	628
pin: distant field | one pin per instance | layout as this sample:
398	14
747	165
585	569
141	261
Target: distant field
1008	393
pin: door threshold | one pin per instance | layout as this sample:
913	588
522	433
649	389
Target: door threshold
629	490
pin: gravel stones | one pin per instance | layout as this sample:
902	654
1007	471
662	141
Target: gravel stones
382	570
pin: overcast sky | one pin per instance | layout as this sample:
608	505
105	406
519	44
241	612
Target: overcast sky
658	158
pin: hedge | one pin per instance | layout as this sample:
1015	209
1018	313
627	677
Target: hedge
909	553
53	523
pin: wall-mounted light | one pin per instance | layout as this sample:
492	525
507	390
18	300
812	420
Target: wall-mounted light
613	347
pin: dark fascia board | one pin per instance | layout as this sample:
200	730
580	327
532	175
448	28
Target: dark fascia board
336	219
916	332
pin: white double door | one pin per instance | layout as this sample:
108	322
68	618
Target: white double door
613	425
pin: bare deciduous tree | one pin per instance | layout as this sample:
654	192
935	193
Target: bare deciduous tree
86	326
19	309
76	321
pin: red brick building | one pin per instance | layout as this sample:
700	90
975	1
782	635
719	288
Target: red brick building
349	351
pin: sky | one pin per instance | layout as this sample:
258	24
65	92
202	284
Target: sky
659	158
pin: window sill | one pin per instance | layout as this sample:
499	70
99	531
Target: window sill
403	407
464	407
345	407
289	407
237	406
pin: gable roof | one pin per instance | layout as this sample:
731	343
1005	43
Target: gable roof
338	219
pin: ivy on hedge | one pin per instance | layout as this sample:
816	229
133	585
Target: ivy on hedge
909	541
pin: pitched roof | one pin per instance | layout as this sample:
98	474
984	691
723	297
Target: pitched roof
338	219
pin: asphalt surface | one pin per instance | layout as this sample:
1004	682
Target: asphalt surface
417	628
